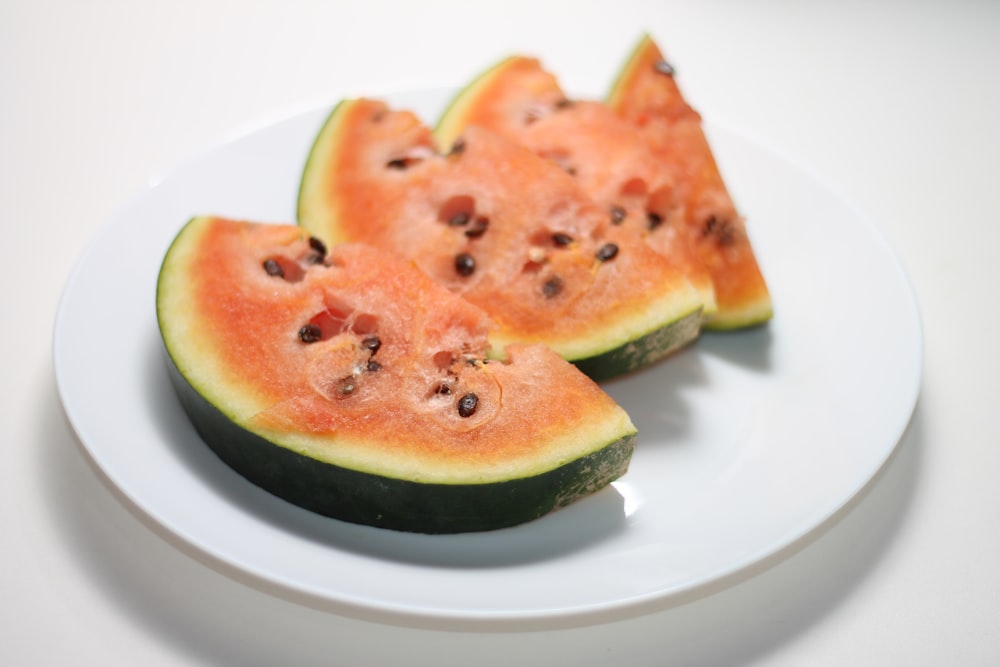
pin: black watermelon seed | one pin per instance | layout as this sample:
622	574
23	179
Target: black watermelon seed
552	287
398	163
467	405
607	252
310	333
318	246
273	268
372	344
663	67
443	389
562	239
478	228
373	366
465	264
655	219
617	215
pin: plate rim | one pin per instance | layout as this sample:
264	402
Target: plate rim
466	619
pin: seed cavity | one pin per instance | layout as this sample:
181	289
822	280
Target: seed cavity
617	215
310	333
607	252
279	266
457	211
413	156
654	219
634	187
663	67
467	405
465	264
478	227
460	219
347	386
552	287
273	268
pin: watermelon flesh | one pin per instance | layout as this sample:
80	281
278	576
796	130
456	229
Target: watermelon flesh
351	383
502	228
604	153
646	94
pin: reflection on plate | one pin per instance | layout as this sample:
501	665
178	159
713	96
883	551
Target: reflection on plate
747	442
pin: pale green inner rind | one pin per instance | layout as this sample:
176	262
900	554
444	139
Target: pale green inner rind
313	212
453	118
751	315
667	308
630	64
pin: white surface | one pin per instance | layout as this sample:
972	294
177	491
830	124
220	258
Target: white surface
746	441
895	103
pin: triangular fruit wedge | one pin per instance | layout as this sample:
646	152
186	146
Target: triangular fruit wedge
501	227
646	94
353	385
605	153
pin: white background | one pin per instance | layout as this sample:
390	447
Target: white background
896	104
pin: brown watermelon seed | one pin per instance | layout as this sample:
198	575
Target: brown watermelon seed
318	247
654	219
552	287
310	333
617	215
607	252
722	230
372	344
564	103
460	219
373	366
478	228
273	268
465	264
562	239
457	147
398	163
663	67
443	389
467	405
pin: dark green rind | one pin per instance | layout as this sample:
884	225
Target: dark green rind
364	498
643	351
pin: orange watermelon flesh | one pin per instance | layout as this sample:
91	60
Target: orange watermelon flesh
338	383
646	95
531	241
606	154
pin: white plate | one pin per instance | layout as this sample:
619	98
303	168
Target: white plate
748	441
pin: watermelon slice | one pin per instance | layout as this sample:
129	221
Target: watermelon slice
605	154
646	94
353	385
503	228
